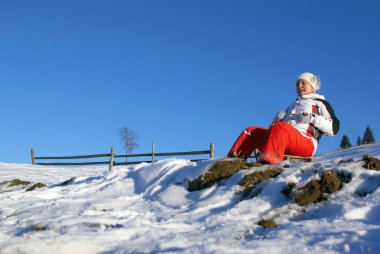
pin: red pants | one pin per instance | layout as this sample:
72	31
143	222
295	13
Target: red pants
281	138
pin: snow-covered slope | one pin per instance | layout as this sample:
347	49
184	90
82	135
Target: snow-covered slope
147	208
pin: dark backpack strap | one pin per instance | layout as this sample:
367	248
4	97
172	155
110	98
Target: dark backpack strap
336	122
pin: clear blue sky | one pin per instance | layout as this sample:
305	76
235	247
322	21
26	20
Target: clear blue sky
180	73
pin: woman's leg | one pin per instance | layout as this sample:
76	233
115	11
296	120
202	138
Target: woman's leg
281	138
248	140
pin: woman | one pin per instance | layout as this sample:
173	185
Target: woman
295	131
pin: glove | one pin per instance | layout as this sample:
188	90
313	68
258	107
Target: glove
304	117
279	116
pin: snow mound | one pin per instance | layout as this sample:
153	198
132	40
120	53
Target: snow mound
147	208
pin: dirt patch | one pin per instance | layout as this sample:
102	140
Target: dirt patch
267	223
8	186
17	182
14	184
330	182
218	171
38	228
287	191
371	162
307	194
346	160
252	165
36	186
66	182
344	176
250	180
313	191
99	225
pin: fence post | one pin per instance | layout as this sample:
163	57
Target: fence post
212	151
32	154
111	159
152	152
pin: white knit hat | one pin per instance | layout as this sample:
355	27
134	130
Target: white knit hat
312	79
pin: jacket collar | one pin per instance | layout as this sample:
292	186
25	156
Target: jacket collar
311	96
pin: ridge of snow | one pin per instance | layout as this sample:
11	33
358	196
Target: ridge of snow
146	208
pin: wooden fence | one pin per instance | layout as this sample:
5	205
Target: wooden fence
111	158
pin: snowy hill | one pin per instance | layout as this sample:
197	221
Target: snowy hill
148	209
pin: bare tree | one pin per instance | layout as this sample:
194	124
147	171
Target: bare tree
129	139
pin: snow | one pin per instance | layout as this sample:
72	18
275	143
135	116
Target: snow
146	208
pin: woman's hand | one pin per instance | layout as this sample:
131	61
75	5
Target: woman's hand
304	117
279	116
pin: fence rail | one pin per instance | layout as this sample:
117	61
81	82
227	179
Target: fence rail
112	156
73	157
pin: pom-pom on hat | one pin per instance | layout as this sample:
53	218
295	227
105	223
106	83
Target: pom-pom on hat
312	79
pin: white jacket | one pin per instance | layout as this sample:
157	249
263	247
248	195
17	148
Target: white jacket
323	119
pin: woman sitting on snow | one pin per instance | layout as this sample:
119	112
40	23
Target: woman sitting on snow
295	131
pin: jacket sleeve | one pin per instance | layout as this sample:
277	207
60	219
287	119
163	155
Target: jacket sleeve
327	121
